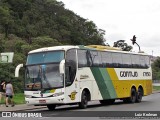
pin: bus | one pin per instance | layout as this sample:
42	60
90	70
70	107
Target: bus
63	75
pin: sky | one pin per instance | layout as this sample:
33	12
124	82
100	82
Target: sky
121	19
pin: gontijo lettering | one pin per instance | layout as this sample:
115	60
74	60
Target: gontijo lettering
128	74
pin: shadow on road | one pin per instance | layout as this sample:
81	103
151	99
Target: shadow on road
76	107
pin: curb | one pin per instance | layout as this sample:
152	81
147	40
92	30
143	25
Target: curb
156	91
21	108
31	108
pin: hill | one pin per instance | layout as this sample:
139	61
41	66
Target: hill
30	24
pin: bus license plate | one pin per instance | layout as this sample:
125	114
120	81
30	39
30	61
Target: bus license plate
42	101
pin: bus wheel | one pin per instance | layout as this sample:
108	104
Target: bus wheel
126	100
107	102
139	95
84	100
51	107
132	98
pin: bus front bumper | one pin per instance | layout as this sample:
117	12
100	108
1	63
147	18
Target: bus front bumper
44	101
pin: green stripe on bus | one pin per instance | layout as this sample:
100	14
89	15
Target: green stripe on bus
104	83
109	83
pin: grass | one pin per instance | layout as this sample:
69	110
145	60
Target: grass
18	98
156	88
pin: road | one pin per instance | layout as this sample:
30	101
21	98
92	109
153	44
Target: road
149	103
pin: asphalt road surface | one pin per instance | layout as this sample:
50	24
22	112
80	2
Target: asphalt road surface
149	105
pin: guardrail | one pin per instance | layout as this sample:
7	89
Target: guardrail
156	81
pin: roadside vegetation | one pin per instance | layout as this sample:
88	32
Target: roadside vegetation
155	88
31	24
18	99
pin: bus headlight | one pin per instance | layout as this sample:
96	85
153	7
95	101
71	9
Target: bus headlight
58	94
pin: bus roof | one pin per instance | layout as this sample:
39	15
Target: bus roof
89	47
53	48
112	49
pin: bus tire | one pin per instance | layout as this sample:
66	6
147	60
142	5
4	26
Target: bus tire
107	102
84	100
139	95
126	100
51	107
132	98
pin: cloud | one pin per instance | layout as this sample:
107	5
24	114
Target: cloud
121	19
152	41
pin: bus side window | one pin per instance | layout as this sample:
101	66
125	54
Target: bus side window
126	59
135	61
106	59
142	62
70	66
147	61
117	60
82	58
96	58
67	75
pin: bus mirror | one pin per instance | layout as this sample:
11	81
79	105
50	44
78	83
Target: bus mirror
17	70
61	67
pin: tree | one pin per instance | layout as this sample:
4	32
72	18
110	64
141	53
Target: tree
156	69
124	46
5	19
32	24
44	40
29	19
2	43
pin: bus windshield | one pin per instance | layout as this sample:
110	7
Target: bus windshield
44	76
45	57
42	70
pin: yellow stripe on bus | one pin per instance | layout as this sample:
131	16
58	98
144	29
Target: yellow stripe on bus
123	87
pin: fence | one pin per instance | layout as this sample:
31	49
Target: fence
156	81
